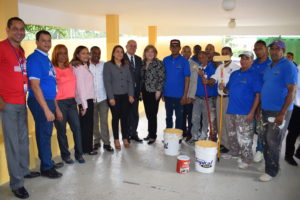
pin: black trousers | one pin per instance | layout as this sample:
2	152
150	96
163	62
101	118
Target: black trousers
151	109
133	118
86	124
120	112
293	134
187	118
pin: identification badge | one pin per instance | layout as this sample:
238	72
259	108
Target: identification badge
17	69
25	86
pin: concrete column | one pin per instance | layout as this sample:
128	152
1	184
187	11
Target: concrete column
152	35
8	9
112	33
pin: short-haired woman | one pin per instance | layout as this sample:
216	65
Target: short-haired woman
152	81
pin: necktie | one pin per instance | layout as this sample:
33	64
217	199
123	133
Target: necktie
132	62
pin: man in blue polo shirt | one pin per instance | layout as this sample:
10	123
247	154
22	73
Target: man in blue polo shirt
277	94
200	110
260	64
244	87
41	100
176	84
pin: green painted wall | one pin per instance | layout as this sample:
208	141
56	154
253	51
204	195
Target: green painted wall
292	45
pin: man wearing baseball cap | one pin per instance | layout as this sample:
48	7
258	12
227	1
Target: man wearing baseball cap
277	94
176	84
244	87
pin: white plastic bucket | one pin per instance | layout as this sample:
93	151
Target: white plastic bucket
172	139
206	156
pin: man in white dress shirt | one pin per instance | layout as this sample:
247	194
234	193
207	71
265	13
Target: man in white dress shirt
100	102
228	67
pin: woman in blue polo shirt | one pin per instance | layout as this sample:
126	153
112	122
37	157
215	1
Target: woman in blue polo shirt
244	87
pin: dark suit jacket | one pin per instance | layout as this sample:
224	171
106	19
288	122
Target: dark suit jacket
136	74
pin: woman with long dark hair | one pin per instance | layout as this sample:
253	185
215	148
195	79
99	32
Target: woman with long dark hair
119	88
84	97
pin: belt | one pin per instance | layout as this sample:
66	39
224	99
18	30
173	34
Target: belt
224	96
200	97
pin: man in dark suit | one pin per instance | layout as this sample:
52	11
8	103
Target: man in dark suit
135	65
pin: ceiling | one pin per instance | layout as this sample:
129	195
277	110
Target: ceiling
172	17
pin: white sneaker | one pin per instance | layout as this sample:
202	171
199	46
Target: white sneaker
243	165
258	157
239	160
265	178
226	156
261	168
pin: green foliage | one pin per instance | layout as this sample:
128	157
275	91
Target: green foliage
61	33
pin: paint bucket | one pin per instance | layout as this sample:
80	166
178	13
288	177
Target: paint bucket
183	164
172	139
206	156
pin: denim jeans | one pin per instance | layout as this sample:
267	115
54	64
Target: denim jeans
43	131
69	111
172	104
258	129
273	137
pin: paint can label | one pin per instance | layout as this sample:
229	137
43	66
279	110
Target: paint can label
183	164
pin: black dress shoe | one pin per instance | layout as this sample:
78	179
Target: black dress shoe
291	161
151	141
57	165
92	153
51	173
223	149
188	138
21	193
32	175
107	147
297	155
147	138
137	139
96	146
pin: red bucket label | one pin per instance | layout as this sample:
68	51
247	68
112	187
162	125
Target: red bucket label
183	164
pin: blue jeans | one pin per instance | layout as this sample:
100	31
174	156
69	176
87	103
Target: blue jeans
43	131
258	129
69	110
273	137
172	104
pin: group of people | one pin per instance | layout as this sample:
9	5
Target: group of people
255	96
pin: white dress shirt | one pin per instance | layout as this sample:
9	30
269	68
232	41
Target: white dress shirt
129	57
97	71
297	97
226	74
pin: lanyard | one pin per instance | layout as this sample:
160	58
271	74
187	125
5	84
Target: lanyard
18	58
25	87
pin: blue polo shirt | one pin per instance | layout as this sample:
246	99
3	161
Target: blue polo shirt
243	87
261	67
40	67
211	91
196	60
176	70
275	82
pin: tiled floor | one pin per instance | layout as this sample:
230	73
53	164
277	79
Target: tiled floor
144	172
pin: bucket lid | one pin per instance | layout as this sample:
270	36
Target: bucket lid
183	157
173	131
206	143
